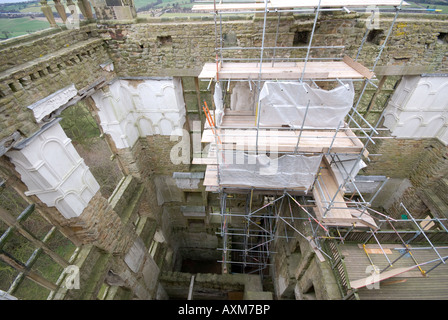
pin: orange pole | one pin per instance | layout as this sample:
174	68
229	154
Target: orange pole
209	112
307	212
210	120
207	115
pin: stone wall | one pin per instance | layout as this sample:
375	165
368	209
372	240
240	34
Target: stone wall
413	42
16	51
93	265
166	48
432	166
297	272
179	47
39	66
422	162
159	149
61	63
395	158
214	286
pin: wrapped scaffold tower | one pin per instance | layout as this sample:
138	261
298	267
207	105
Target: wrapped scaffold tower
289	105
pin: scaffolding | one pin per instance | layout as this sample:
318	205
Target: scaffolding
249	244
405	239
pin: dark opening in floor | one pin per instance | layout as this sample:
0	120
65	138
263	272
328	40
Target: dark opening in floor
201	266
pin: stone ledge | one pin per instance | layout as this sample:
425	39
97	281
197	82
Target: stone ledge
434	203
28	67
255	295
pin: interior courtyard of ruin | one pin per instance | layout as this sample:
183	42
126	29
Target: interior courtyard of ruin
264	150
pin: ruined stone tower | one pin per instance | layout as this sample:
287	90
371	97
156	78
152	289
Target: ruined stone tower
138	214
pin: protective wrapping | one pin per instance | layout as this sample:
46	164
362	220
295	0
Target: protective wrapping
217	98
345	165
285	103
261	171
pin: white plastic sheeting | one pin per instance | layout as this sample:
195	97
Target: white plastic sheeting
242	97
219	105
261	171
285	103
345	165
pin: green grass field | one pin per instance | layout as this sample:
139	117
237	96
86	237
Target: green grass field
20	26
165	3
33	7
431	6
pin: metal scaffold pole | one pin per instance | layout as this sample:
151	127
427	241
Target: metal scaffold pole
311	41
259	74
366	83
265	222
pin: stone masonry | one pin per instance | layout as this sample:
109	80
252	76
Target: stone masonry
135	241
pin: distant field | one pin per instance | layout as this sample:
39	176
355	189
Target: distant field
10	7
34	7
165	3
20	26
431	6
443	8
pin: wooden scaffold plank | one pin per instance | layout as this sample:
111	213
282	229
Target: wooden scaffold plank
364	282
318	70
326	190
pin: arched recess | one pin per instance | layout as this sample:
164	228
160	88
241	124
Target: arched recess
70	205
421	97
440	101
109	107
434	126
56	156
390	120
145	126
126	98
409	129
131	133
166	127
169	97
159	95
151	93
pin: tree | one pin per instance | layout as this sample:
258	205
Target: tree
79	125
6	33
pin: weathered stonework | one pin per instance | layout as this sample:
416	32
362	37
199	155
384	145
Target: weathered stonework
100	225
140	49
140	235
27	83
423	162
298	273
18	51
159	149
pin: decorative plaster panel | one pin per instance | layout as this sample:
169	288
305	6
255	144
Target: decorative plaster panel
419	108
53	171
131	109
46	106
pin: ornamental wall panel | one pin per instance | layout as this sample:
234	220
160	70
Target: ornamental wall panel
53	171
419	108
130	109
